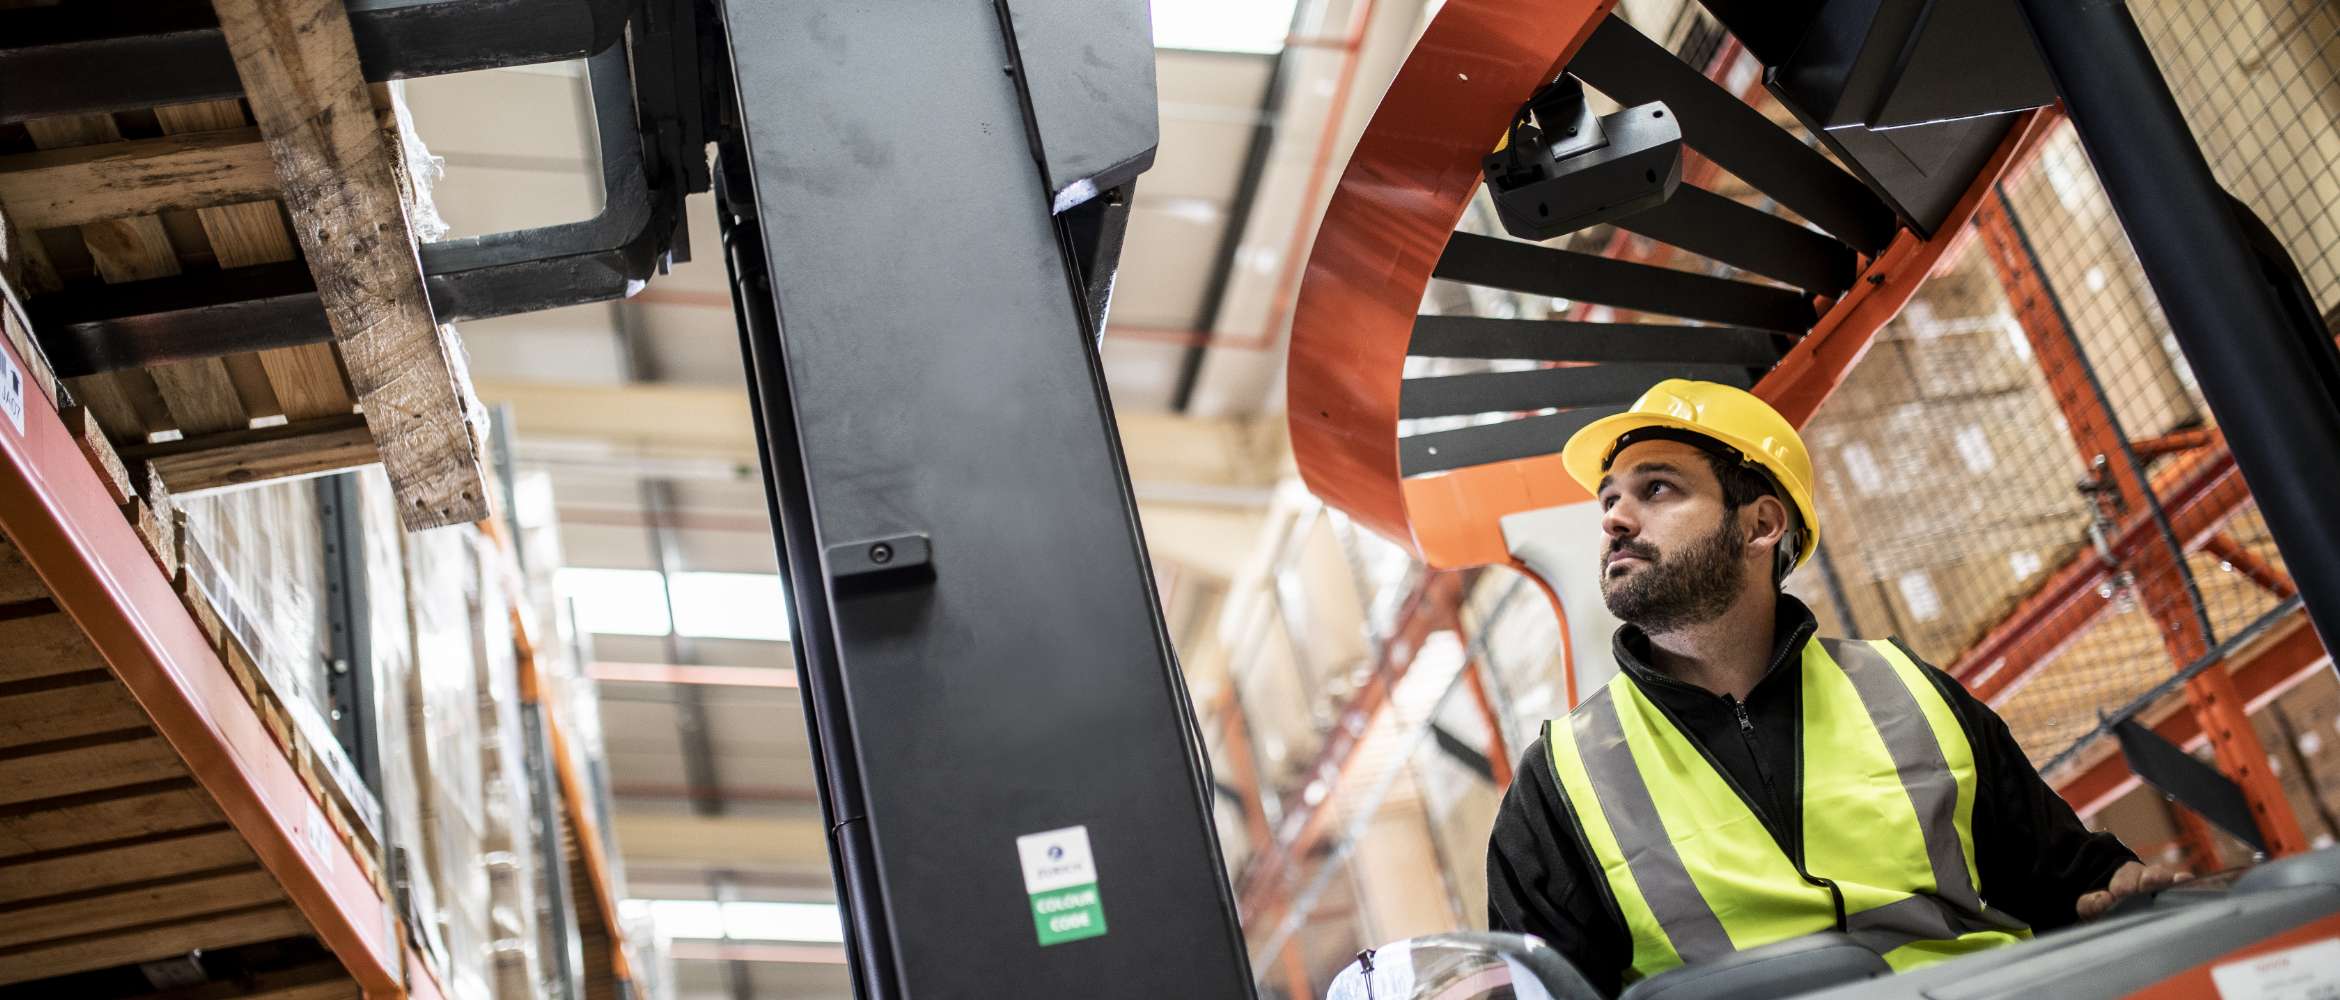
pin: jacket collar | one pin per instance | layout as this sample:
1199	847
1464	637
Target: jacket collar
1793	625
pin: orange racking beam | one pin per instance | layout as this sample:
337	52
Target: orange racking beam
1242	764
1435	604
2200	497
575	794
2156	563
2148	449
57	511
2251	566
1498	750
2267	671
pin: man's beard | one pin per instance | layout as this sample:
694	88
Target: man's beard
1691	587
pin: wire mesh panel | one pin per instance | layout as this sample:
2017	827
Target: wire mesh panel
2259	84
1945	491
2011	475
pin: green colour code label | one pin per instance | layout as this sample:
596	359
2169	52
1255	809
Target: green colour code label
1068	914
1060	876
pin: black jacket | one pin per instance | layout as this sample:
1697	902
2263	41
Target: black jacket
2033	858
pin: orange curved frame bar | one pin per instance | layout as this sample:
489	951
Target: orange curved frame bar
1405	188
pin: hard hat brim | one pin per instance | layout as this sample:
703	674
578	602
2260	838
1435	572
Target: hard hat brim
1583	454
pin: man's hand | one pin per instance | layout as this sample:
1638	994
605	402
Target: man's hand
2131	879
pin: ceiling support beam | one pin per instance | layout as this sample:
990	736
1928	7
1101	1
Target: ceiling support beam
797	840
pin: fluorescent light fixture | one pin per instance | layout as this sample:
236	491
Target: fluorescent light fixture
697	919
1223	25
708	920
706	605
812	922
730	606
615	601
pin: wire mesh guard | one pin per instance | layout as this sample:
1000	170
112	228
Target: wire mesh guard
2008	435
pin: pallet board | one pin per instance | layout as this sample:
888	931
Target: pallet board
43	644
86	822
64	707
78	766
147	942
342	178
109	851
114	199
131	860
165	899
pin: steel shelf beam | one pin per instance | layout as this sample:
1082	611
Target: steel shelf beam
56	509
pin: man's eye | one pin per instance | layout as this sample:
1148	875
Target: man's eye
1652	489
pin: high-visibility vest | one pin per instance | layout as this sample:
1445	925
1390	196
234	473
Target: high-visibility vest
1886	846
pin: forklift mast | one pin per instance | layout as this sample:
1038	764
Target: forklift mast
921	208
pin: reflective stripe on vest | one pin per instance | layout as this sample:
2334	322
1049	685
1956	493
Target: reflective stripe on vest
1888	805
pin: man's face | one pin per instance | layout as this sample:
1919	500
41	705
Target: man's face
1674	557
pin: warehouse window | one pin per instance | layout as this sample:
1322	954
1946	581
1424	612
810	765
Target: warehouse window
783	922
1223	25
615	601
730	606
706	605
708	920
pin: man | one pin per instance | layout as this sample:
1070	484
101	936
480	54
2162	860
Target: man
1743	782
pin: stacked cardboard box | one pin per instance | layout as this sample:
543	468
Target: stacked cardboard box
508	798
1946	484
452	832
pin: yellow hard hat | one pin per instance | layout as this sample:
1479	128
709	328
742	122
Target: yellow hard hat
1732	416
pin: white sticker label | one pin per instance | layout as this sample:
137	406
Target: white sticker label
2308	972
320	835
12	392
1057	859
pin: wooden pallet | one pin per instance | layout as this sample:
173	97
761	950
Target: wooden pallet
308	167
195	399
110	853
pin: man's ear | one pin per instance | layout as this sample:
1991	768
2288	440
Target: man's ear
1767	521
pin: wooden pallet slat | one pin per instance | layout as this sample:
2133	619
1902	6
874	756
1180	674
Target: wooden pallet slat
90	436
165	899
44	645
70	767
306	380
126	404
77	705
148	942
238	458
155	808
116	178
198	396
122	862
298	63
